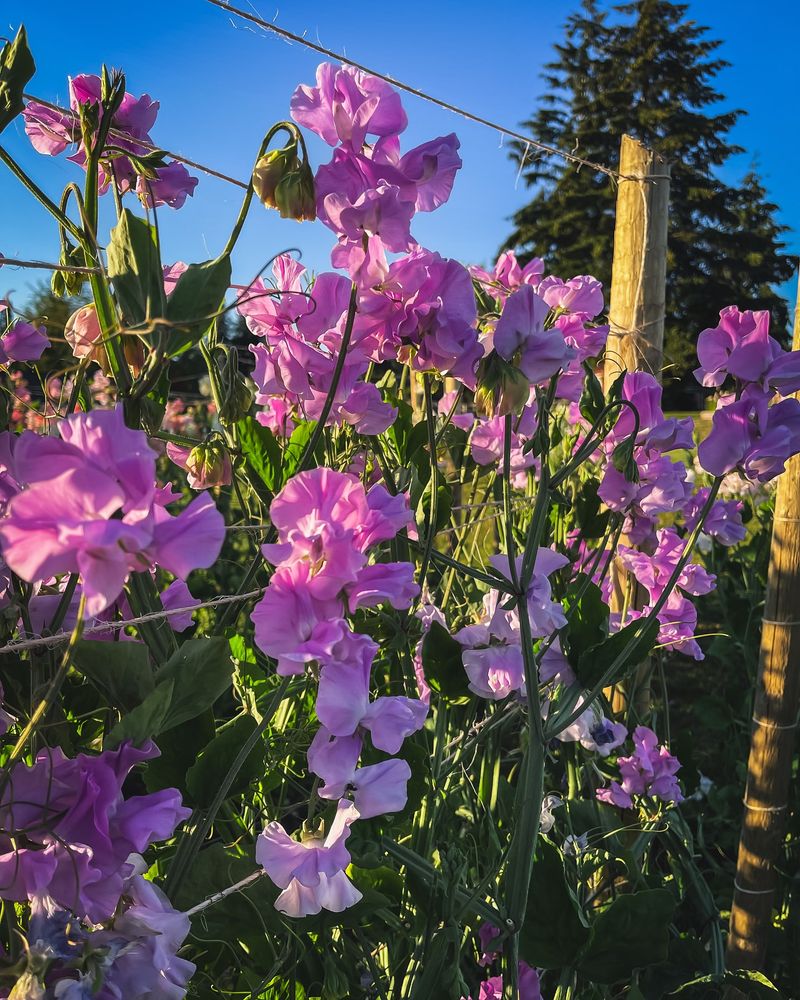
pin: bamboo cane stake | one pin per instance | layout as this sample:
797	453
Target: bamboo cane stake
772	740
636	324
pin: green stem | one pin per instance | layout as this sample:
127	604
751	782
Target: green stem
434	508
37	192
179	871
52	692
336	378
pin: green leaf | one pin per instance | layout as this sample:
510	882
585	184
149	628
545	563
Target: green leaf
121	670
153	405
16	68
442	664
594	662
592	399
215	759
444	503
135	269
179	749
262	452
195	301
200	671
631	934
296	447
551	934
587	625
145	721
748	984
591	520
244	916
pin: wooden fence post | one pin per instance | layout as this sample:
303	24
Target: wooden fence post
636	322
775	715
639	269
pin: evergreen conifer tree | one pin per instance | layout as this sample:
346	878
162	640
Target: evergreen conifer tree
646	69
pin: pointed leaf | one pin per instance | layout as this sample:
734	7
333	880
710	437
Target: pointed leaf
16	68
195	301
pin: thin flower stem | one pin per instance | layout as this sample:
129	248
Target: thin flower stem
434	508
179	871
37	192
52	692
557	724
336	378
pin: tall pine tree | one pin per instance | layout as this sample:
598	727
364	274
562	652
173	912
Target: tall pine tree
646	70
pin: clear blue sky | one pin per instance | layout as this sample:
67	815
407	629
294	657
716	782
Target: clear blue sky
221	86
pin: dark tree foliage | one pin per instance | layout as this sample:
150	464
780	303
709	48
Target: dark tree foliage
645	69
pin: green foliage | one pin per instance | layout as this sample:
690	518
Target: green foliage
188	684
631	934
593	662
194	303
135	268
205	776
553	933
16	69
442	664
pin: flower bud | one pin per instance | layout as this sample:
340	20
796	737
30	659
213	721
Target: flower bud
208	464
502	388
282	180
236	394
84	336
269	170
295	197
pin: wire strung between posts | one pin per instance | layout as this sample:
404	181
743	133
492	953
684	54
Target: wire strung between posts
416	92
51	640
42	265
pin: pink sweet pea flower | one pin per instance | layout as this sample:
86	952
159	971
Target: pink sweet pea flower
311	872
582	295
495	672
51	131
740	346
508	275
90	505
377	789
521	329
23	342
752	435
528	979
347	105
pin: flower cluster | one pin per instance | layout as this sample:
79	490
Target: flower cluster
128	144
131	952
68	831
492	654
302	333
753	429
87	503
327	523
421	307
649	771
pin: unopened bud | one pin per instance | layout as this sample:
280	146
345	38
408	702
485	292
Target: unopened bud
502	388
209	465
295	197
282	180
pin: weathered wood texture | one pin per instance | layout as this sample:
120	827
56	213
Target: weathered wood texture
636	321
772	742
638	282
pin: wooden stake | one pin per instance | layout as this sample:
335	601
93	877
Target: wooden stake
638	277
775	714
636	320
